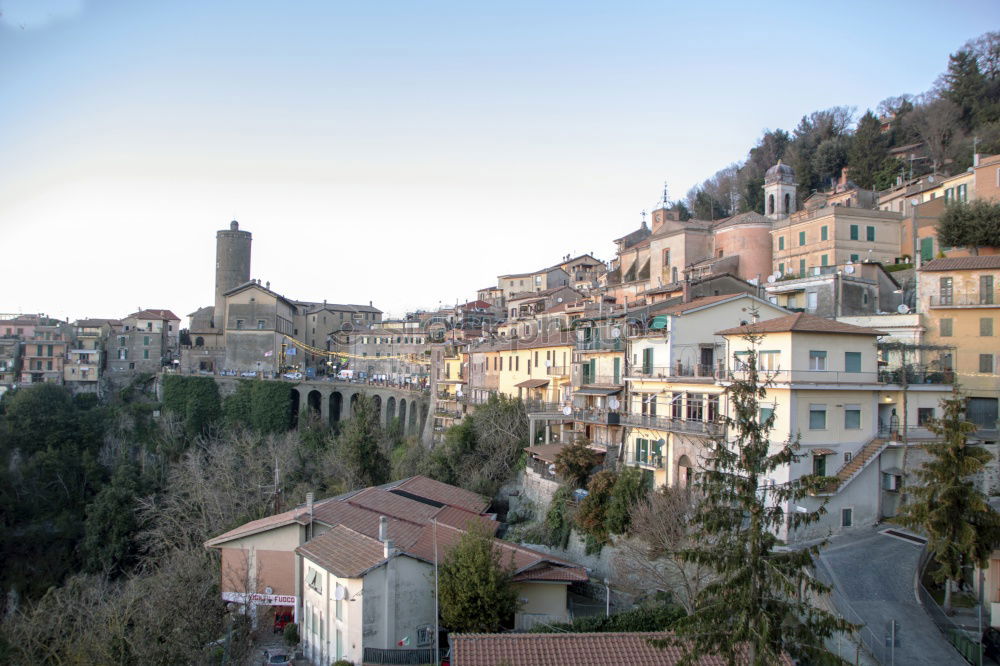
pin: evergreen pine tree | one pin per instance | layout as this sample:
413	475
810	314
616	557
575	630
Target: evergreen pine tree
965	86
360	444
756	608
868	151
476	590
962	527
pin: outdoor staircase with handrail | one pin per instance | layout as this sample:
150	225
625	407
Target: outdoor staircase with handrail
858	462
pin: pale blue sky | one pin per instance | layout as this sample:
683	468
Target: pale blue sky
399	152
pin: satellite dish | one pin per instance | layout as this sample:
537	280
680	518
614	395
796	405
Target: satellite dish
559	300
552	469
339	592
771	279
567	410
548	363
848	269
903	308
614	404
616	332
458	393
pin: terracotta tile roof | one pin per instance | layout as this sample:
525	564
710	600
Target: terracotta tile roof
547	572
681	308
460	518
980	262
751	217
802	323
526	562
387	503
597	649
344	552
546	452
296	515
165	315
532	383
366	521
443	492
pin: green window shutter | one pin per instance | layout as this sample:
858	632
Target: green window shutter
802	238
854	232
781	243
825	260
659	322
781	268
852	361
647	361
823	233
854	258
870	234
802	266
926	249
618	370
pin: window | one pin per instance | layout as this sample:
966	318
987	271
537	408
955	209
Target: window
823	233
986	290
924	414
817	360
945	290
666	258
145	353
817	417
870	234
852	361
852	417
891	482
811	301
846	517
986	363
239	324
962	193
145	340
855	258
768	360
986	327
824	260
854	232
647	361
949	195
766	413
802	266
945	328
260	325
781	242
819	465
781	268
425	635
802	238
641	450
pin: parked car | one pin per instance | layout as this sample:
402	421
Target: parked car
991	643
280	621
292	375
277	658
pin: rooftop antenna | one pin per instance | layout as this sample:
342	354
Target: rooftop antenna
666	198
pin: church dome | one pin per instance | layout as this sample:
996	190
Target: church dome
780	173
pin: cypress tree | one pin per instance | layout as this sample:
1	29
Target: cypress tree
756	609
962	527
868	151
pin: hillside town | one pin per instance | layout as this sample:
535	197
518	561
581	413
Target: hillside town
755	425
863	321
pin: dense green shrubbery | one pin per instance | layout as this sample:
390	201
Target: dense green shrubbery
655	618
262	405
194	400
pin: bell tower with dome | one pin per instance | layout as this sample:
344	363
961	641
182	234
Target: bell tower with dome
779	191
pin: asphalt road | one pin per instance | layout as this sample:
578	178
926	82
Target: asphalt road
873	576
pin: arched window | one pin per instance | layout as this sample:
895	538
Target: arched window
770	204
199	341
788	204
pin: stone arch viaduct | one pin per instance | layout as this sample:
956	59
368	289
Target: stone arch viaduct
332	403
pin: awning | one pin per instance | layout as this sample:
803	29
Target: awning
895	471
596	390
659	321
532	383
823	452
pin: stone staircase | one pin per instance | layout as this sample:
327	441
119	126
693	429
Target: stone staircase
859	461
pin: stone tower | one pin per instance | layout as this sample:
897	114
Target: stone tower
779	191
232	266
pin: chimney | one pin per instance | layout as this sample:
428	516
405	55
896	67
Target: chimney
268	285
975	160
383	528
309	505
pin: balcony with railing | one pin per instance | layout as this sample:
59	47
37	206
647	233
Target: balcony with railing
652	461
917	374
667	424
600	345
587	379
558	370
693	370
966	299
533	406
597	416
781	376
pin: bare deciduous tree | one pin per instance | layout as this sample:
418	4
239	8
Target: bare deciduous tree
648	558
